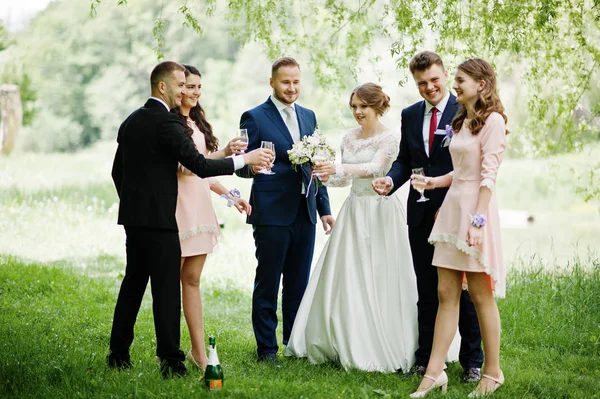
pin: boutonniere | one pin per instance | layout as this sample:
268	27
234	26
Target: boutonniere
448	137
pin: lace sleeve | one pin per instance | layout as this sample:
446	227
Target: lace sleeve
386	153
339	180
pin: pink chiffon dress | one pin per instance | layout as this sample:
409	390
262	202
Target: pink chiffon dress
476	159
196	219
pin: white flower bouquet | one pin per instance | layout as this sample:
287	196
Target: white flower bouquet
313	148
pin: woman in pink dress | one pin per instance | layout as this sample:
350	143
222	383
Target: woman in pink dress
196	219
466	233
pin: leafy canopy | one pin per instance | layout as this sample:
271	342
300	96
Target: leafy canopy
551	45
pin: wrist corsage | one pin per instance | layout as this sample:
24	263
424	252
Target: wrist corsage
478	220
233	193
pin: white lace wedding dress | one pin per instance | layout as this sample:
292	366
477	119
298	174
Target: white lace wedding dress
360	306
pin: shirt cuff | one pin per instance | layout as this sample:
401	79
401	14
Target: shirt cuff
238	162
389	179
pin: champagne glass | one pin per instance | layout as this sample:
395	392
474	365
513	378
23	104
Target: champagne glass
420	182
320	155
383	197
243	133
269	146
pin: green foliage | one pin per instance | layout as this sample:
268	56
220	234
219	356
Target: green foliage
4	39
90	73
554	44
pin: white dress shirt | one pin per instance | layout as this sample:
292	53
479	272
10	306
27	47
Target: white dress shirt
441	106
291	122
288	114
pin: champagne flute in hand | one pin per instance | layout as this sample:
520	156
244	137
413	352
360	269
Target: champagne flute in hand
269	146
243	133
320	155
420	183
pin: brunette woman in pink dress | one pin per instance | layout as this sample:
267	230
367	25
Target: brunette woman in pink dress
466	234
196	219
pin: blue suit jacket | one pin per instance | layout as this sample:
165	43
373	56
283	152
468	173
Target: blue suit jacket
412	155
275	198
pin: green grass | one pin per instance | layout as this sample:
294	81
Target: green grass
56	324
62	258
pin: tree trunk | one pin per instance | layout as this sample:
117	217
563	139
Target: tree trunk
11	117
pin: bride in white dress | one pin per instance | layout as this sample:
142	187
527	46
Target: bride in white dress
360	306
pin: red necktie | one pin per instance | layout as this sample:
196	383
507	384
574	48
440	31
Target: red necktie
432	127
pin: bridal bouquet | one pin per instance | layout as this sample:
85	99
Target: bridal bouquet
313	148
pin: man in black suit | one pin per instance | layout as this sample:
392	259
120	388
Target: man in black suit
151	143
422	145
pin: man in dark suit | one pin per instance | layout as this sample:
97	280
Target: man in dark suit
422	145
284	207
151	143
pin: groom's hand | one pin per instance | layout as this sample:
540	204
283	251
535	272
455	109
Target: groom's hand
328	222
382	185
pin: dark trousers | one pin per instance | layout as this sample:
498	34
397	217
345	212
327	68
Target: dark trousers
151	254
470	354
287	251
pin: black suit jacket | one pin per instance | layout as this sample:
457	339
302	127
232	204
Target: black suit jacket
412	155
151	143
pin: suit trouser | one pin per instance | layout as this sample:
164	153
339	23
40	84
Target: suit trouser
286	250
470	354
151	254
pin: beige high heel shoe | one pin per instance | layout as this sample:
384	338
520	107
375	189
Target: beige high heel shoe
440	382
499	381
190	358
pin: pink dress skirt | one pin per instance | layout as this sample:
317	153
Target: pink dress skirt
196	219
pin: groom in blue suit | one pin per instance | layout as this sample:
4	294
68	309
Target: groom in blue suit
423	145
284	208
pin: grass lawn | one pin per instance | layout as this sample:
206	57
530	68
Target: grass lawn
56	324
62	259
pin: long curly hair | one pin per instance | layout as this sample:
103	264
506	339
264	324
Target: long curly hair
198	115
488	101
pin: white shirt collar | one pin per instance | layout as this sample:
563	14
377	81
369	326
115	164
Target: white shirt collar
161	101
281	106
441	105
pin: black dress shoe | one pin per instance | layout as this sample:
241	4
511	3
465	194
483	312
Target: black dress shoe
119	362
172	368
471	374
417	370
269	358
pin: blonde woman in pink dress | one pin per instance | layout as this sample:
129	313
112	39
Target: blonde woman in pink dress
466	234
196	219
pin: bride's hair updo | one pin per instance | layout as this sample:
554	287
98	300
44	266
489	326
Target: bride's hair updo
372	95
488	101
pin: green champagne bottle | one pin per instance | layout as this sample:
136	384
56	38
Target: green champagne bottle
213	377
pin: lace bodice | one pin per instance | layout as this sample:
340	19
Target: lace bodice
363	160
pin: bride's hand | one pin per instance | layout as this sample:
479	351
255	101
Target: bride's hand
324	169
